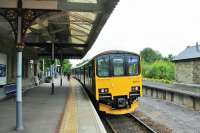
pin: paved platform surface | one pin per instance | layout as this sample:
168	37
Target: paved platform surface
68	111
2	94
177	118
41	111
185	88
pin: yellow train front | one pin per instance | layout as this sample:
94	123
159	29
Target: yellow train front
113	80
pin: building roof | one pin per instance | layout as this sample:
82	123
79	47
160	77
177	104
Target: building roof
190	53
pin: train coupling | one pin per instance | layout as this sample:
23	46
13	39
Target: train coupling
120	102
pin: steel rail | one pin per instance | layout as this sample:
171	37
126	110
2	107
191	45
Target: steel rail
150	130
109	124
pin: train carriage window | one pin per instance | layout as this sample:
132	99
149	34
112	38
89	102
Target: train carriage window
90	71
133	65
118	65
103	66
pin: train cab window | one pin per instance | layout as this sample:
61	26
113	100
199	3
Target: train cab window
118	65
103	66
133	65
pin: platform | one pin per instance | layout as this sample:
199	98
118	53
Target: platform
2	94
193	89
183	95
176	118
68	111
80	115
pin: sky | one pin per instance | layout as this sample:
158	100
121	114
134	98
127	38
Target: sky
167	26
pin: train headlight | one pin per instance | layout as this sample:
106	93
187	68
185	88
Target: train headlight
103	90
135	88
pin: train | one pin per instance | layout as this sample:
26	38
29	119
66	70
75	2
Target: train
113	80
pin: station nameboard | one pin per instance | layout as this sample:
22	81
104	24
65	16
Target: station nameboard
2	70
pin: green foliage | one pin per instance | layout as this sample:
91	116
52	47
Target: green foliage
66	66
159	70
159	80
48	79
149	55
154	66
47	63
170	57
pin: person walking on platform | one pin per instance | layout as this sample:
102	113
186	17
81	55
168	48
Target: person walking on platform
68	76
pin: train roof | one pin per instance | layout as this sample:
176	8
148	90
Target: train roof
108	52
115	52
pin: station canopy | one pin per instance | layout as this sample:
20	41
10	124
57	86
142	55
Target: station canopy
71	25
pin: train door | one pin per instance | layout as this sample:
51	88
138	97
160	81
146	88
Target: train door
118	73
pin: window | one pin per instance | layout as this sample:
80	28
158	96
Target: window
133	65
103	66
90	71
118	66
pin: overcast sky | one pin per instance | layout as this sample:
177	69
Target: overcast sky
164	25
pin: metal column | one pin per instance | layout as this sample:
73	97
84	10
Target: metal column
52	86
43	71
61	70
19	120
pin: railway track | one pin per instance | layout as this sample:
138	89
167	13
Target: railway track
126	124
149	129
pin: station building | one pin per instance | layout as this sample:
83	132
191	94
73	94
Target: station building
188	65
8	59
35	29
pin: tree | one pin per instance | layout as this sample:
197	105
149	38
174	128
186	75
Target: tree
170	57
66	66
149	55
160	70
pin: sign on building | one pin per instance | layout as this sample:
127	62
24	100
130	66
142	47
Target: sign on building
3	69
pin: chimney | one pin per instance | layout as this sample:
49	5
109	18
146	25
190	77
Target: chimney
197	46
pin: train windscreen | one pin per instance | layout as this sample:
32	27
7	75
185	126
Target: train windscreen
132	65
118	65
103	66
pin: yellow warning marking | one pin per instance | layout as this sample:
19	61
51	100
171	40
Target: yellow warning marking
69	123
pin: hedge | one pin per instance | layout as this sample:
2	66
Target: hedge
161	69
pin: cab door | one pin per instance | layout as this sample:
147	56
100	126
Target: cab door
119	83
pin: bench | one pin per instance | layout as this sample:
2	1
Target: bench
10	89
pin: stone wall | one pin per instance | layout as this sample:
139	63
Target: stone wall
184	72
196	72
188	72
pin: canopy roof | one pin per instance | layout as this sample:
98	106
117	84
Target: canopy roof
71	25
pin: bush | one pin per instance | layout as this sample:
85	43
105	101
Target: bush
159	70
48	79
